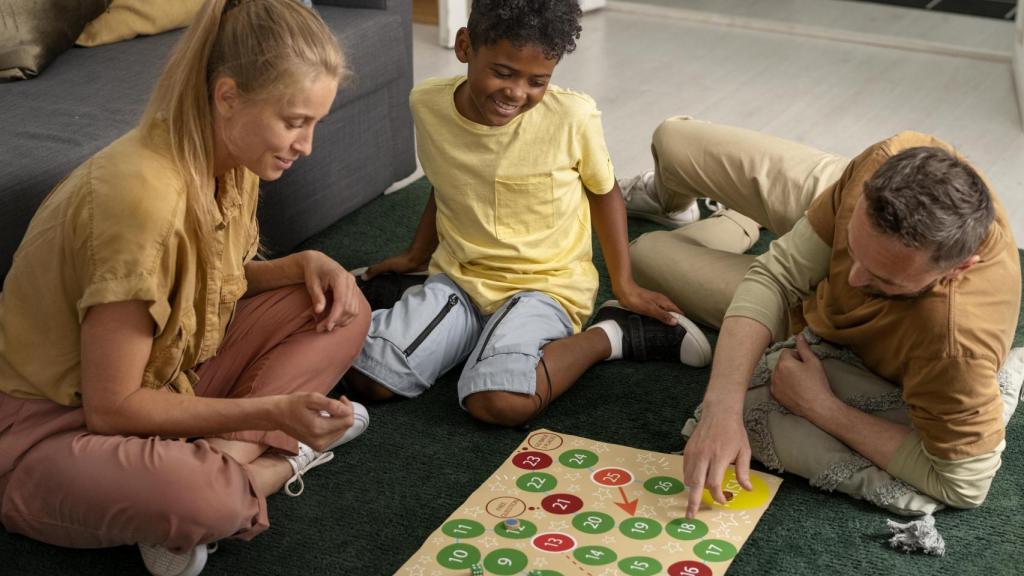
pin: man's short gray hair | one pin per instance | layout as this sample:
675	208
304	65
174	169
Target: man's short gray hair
930	199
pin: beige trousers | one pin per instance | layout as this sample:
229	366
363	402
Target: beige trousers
63	485
763	180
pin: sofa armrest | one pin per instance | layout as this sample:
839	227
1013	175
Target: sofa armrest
378	4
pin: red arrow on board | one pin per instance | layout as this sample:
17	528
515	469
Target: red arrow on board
628	505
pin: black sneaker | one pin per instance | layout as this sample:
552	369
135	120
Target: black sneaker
384	290
646	338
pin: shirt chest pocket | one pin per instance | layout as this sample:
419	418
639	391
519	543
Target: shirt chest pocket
232	289
523	206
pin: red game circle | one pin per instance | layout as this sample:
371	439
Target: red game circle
561	504
532	460
553	542
689	568
614	477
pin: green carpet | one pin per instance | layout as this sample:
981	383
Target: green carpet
367	511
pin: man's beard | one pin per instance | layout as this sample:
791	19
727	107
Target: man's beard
900	297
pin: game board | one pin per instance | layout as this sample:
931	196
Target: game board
563	505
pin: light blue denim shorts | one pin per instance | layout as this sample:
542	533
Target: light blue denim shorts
434	328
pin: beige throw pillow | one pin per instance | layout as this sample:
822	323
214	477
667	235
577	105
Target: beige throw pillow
34	32
125	19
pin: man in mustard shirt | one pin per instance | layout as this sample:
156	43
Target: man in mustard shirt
901	265
520	169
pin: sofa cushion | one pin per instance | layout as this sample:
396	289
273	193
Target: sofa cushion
90	96
126	19
373	42
34	32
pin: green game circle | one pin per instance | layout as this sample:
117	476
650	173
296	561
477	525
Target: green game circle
640	528
639	566
578	458
460	528
664	485
537	482
593	522
714	550
594	555
458	556
526	529
505	561
686	529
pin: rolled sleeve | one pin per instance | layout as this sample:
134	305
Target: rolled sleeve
962	483
787	273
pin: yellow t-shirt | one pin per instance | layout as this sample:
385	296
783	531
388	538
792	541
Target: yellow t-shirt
114	230
512	211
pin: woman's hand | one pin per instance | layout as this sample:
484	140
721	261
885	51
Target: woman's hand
401	264
323	275
314	419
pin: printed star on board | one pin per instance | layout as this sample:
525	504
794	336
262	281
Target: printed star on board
726	520
646	511
599	447
572	476
668	502
648	548
610	572
560	526
645	458
620	460
473	512
609	540
649	470
488	542
672	547
540	562
436	573
437	539
573	488
603	494
416	571
744	518
424	559
496	485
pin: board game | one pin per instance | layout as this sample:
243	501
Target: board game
564	505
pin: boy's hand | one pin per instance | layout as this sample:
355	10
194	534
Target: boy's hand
647	302
401	264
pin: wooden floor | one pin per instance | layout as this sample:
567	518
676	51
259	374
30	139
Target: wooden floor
645	65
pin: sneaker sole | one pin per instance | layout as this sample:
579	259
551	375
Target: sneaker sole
162	562
701	357
362	270
657	218
360	422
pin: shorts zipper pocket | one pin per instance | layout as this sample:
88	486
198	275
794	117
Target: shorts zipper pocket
511	305
452	301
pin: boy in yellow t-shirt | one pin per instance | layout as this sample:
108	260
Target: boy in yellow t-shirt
520	170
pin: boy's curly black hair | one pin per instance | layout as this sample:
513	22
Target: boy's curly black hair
552	25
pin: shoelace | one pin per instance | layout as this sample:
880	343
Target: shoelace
303	462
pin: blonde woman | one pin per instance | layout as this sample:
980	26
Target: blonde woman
135	317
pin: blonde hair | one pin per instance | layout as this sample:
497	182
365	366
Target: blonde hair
267	47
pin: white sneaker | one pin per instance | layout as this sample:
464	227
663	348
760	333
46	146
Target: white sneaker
642	202
308	458
162	562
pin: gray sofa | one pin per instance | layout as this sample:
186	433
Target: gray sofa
89	96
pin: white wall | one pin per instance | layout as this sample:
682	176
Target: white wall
1018	60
